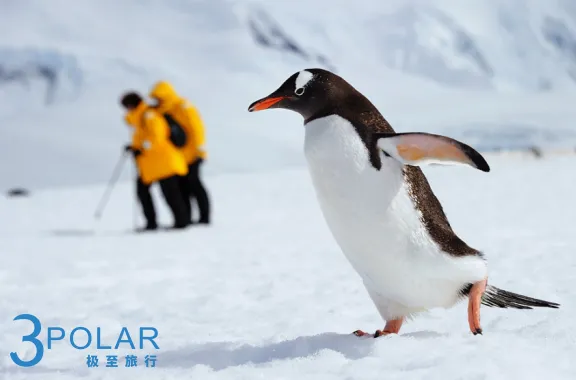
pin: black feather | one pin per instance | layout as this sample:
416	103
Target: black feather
496	297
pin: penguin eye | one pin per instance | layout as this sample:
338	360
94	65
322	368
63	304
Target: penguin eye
299	91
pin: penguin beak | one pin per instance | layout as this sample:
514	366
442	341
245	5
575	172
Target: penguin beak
266	103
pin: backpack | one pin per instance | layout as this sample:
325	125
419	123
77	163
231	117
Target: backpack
177	133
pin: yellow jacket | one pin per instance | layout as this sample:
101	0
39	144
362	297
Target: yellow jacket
160	158
185	114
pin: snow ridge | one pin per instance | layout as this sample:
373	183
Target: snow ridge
268	33
25	67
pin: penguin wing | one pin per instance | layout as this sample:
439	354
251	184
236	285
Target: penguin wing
419	149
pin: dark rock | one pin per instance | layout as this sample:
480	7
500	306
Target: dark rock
18	192
537	152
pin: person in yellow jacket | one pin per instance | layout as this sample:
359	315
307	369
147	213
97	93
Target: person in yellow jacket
187	116
157	160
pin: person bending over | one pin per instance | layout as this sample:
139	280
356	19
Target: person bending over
157	160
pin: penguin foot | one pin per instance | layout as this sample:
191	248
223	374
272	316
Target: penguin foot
381	333
474	301
392	327
360	333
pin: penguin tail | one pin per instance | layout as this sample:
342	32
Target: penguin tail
496	297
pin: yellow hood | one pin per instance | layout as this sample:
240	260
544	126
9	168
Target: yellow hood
165	94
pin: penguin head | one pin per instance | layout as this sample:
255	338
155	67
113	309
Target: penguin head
307	92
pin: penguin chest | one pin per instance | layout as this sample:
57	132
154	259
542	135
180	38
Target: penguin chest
365	208
374	221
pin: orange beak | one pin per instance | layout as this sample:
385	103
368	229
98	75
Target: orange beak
264	103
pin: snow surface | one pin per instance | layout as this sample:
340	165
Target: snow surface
266	293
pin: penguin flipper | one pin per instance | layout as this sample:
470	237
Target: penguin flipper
420	148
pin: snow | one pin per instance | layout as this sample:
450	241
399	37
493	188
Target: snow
266	293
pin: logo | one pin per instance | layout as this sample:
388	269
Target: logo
82	338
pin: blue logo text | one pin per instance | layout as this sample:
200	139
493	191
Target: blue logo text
80	338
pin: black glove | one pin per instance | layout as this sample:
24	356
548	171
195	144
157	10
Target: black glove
135	152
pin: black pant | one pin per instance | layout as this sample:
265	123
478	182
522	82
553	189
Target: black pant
193	188
171	189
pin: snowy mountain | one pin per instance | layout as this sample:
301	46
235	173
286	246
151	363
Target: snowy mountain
429	65
33	72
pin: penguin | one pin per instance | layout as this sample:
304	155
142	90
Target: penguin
380	208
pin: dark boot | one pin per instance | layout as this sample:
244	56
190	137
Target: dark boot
198	191
145	198
172	191
186	194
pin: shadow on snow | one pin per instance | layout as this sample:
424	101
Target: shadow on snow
221	355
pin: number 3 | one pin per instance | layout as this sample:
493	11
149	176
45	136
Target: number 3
30	338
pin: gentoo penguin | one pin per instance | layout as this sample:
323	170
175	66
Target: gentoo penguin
379	205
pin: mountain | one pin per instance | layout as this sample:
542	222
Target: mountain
491	69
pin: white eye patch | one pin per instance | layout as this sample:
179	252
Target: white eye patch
303	78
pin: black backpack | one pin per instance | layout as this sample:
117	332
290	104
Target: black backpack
177	133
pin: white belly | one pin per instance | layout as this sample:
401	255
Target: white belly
374	221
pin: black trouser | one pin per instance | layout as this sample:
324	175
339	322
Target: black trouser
172	191
193	188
